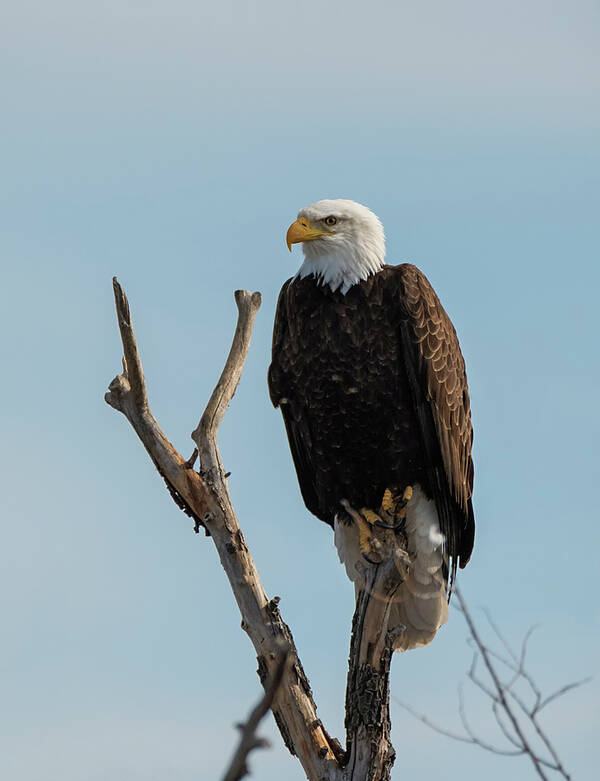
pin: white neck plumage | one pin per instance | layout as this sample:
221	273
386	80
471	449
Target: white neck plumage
344	263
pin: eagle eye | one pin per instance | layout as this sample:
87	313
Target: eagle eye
331	220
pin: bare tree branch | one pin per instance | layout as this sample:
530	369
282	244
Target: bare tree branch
205	435
502	694
498	686
475	739
563	690
432	725
238	767
205	497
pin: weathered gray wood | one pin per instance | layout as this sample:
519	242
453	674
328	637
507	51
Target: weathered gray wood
205	497
369	749
205	435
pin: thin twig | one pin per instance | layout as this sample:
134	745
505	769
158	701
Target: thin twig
503	692
559	693
475	738
499	635
497	711
498	685
435	727
238	767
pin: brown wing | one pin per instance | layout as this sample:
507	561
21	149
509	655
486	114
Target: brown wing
294	417
438	378
274	376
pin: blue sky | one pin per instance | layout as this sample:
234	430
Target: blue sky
171	144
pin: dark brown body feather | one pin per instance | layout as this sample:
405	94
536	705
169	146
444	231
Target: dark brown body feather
373	391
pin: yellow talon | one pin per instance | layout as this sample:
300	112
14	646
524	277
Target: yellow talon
369	516
387	503
366	521
364	537
393	506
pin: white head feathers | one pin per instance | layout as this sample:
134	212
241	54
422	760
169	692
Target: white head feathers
351	247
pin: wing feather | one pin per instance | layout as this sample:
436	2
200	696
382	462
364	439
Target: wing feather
296	423
436	366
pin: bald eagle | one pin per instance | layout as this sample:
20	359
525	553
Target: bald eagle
368	373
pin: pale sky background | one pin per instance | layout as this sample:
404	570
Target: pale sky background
171	144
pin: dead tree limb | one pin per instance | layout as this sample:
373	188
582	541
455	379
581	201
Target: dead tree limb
204	496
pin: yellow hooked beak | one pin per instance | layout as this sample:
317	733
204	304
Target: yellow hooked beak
301	230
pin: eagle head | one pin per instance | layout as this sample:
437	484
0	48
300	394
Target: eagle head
343	242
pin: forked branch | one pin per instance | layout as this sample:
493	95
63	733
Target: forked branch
205	497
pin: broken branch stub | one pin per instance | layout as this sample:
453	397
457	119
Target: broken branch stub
205	434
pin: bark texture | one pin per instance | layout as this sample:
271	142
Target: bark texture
370	754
